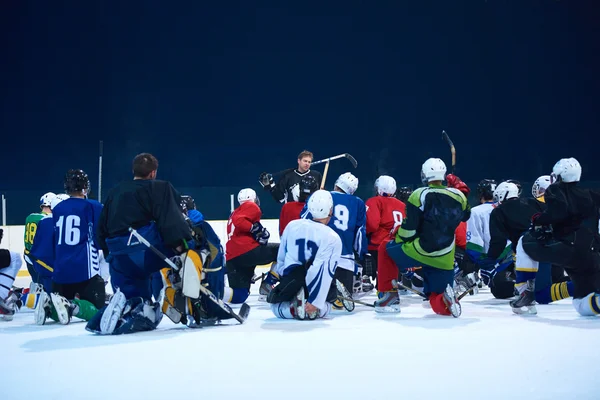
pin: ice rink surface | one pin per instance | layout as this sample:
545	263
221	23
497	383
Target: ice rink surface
487	353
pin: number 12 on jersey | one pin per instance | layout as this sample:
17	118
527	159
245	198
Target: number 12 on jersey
307	249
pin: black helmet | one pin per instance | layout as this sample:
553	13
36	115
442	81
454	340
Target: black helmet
485	189
307	185
403	193
187	203
516	182
76	180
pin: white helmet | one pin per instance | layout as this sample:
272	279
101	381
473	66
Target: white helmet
433	169
246	195
505	191
567	170
347	182
58	198
320	204
540	185
46	200
385	185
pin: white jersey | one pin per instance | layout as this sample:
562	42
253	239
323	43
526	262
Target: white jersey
305	240
478	228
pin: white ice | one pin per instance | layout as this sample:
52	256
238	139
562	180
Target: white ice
487	353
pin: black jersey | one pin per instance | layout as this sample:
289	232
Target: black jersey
139	202
508	222
283	189
568	206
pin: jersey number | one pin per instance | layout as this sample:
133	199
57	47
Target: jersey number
341	214
306	248
30	230
398	218
69	226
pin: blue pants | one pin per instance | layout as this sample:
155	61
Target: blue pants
134	269
435	279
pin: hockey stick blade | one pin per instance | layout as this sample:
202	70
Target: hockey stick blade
204	290
452	148
345	155
352	160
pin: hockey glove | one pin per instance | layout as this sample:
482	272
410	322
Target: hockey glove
456	183
263	237
266	181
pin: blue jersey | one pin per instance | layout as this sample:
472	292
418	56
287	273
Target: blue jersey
76	257
41	253
349	221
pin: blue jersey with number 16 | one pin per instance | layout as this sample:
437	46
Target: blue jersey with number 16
349	221
76	255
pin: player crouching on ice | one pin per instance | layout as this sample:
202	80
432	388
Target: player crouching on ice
10	263
306	262
426	240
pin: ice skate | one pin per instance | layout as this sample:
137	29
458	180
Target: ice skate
343	292
64	308
264	289
463	283
6	309
112	313
42	309
388	302
452	302
297	305
365	285
525	302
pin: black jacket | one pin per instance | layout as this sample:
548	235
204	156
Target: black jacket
568	206
509	221
135	204
282	191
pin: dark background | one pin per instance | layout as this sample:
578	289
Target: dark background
221	91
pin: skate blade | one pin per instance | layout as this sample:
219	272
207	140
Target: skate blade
395	309
525	310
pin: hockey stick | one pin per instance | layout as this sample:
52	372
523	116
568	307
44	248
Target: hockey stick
325	160
397	285
452	149
345	155
324	175
362	303
244	311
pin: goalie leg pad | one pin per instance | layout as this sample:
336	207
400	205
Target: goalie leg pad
192	274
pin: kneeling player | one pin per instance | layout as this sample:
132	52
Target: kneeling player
306	263
10	263
426	239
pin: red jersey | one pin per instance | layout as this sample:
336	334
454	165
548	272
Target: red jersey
461	235
382	214
289	212
239	238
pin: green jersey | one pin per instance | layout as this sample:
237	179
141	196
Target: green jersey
31	224
432	216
